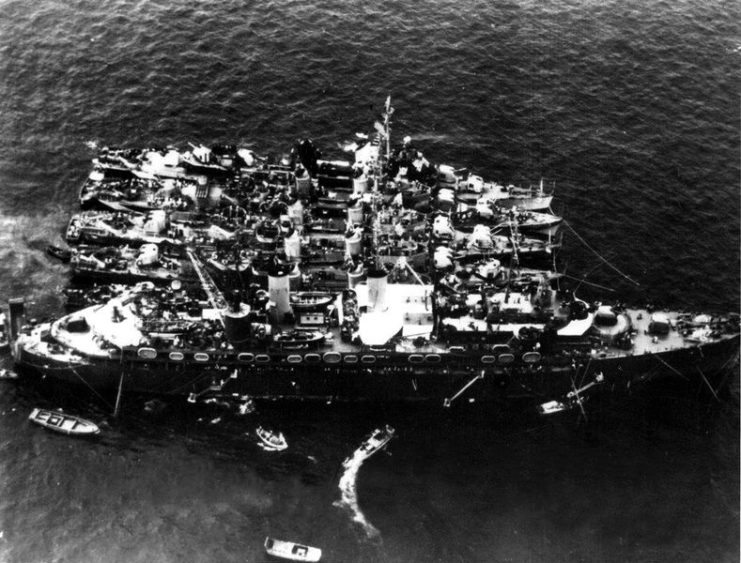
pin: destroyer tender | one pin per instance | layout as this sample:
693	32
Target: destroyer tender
381	278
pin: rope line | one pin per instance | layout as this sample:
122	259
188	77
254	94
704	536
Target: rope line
90	387
671	368
585	243
705	379
191	382
583	281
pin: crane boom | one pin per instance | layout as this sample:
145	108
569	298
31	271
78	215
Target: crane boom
215	297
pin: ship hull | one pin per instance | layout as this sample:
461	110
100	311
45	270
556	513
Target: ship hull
109	276
386	376
540	203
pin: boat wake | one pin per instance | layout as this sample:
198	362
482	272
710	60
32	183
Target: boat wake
24	266
349	495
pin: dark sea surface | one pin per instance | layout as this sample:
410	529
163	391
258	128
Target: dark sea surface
631	108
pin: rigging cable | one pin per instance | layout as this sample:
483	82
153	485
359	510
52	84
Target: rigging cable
74	371
585	243
671	368
584	282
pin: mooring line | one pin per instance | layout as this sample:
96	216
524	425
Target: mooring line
671	368
705	379
585	243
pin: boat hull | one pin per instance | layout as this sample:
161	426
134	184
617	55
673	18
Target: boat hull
64	423
130	277
385	376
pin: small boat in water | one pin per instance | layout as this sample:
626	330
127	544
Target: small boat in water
64	423
271	441
7	374
377	440
574	398
553	407
63	254
247	406
290	551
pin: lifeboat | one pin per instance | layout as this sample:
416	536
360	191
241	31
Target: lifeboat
271	441
311	299
297	339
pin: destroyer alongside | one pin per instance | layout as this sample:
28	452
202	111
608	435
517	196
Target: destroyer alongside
383	278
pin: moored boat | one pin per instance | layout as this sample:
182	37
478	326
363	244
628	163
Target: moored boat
7	374
149	262
270	440
468	188
63	422
377	440
62	254
291	551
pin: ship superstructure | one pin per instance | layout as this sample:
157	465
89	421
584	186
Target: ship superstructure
380	278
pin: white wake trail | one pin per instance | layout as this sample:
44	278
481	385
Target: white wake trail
349	498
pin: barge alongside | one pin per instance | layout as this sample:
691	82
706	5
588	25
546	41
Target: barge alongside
386	278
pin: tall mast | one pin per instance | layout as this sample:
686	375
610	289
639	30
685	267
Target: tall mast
514	235
387	126
381	162
515	261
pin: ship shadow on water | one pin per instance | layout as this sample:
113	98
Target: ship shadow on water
513	467
674	403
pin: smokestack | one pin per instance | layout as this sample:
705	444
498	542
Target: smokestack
355	276
353	243
237	324
296	213
377	281
303	183
355	214
279	290
294	279
292	246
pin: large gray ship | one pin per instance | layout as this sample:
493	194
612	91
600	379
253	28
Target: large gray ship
383	278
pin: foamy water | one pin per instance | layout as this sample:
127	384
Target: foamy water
349	493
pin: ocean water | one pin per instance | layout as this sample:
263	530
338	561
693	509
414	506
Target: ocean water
630	108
